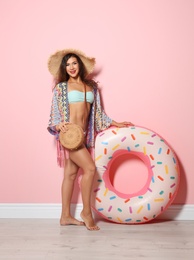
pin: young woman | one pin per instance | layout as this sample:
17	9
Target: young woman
76	100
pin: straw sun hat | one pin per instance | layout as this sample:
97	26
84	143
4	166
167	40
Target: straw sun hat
55	59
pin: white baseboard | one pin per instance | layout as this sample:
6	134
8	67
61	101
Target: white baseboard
52	211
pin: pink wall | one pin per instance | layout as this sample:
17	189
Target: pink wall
145	61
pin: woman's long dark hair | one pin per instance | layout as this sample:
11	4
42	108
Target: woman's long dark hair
64	76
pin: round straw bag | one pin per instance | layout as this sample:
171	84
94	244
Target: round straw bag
73	138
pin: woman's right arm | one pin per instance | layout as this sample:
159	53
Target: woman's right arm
55	116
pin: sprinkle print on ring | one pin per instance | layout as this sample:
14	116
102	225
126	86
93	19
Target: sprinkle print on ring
160	188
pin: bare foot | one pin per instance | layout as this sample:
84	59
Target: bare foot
70	221
89	222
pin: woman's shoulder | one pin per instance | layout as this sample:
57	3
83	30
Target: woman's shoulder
61	85
92	84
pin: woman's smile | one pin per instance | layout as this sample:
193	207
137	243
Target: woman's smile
72	71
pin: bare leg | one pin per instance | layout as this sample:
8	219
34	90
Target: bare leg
70	173
83	159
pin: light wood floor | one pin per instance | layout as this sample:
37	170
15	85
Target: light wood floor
25	239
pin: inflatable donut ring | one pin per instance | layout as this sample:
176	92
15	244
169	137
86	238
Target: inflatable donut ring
163	175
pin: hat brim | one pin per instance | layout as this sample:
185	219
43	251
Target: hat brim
55	59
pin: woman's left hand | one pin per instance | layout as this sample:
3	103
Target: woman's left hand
122	124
